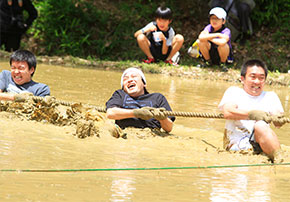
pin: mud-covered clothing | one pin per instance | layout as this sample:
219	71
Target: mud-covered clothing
8	85
12	23
156	47
213	52
121	99
238	132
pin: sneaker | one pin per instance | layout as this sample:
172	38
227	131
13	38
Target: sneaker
149	60
176	57
171	62
205	63
224	68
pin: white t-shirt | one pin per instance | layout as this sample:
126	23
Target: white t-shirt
239	129
171	33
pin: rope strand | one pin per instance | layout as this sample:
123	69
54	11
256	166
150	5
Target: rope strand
281	120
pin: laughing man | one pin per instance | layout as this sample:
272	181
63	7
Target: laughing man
247	111
18	82
134	106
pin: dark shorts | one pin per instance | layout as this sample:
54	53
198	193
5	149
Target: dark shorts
156	52
256	147
214	54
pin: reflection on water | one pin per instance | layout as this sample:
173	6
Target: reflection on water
240	186
122	188
32	145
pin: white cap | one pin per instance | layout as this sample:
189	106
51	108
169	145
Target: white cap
219	12
133	69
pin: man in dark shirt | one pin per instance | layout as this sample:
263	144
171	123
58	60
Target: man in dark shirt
134	106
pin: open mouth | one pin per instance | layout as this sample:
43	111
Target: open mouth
132	85
255	87
17	78
161	27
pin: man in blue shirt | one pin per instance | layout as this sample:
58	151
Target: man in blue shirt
18	82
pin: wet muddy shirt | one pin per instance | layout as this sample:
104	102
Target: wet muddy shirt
266	101
8	85
123	100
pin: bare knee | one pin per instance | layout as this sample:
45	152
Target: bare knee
141	37
224	48
262	130
266	137
179	38
203	44
261	126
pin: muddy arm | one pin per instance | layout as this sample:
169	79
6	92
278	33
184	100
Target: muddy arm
119	113
6	96
166	124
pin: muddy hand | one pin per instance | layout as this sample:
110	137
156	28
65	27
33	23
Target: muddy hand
259	115
158	113
278	120
115	130
143	113
22	97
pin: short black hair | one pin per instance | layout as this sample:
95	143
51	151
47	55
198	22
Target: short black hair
251	63
24	56
163	13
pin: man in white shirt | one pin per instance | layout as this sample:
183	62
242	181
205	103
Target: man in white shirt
247	110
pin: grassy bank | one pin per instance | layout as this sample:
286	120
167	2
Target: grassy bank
103	30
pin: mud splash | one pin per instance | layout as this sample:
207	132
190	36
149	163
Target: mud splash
87	122
48	110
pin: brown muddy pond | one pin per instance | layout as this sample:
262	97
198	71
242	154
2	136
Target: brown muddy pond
30	145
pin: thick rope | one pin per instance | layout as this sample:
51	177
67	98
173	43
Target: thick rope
128	169
281	120
68	104
194	114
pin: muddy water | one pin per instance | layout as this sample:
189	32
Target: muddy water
35	145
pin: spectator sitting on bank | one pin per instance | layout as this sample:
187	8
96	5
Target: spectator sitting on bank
238	20
134	106
215	39
18	82
158	40
12	23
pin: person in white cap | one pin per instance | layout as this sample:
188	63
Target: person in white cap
215	39
134	106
